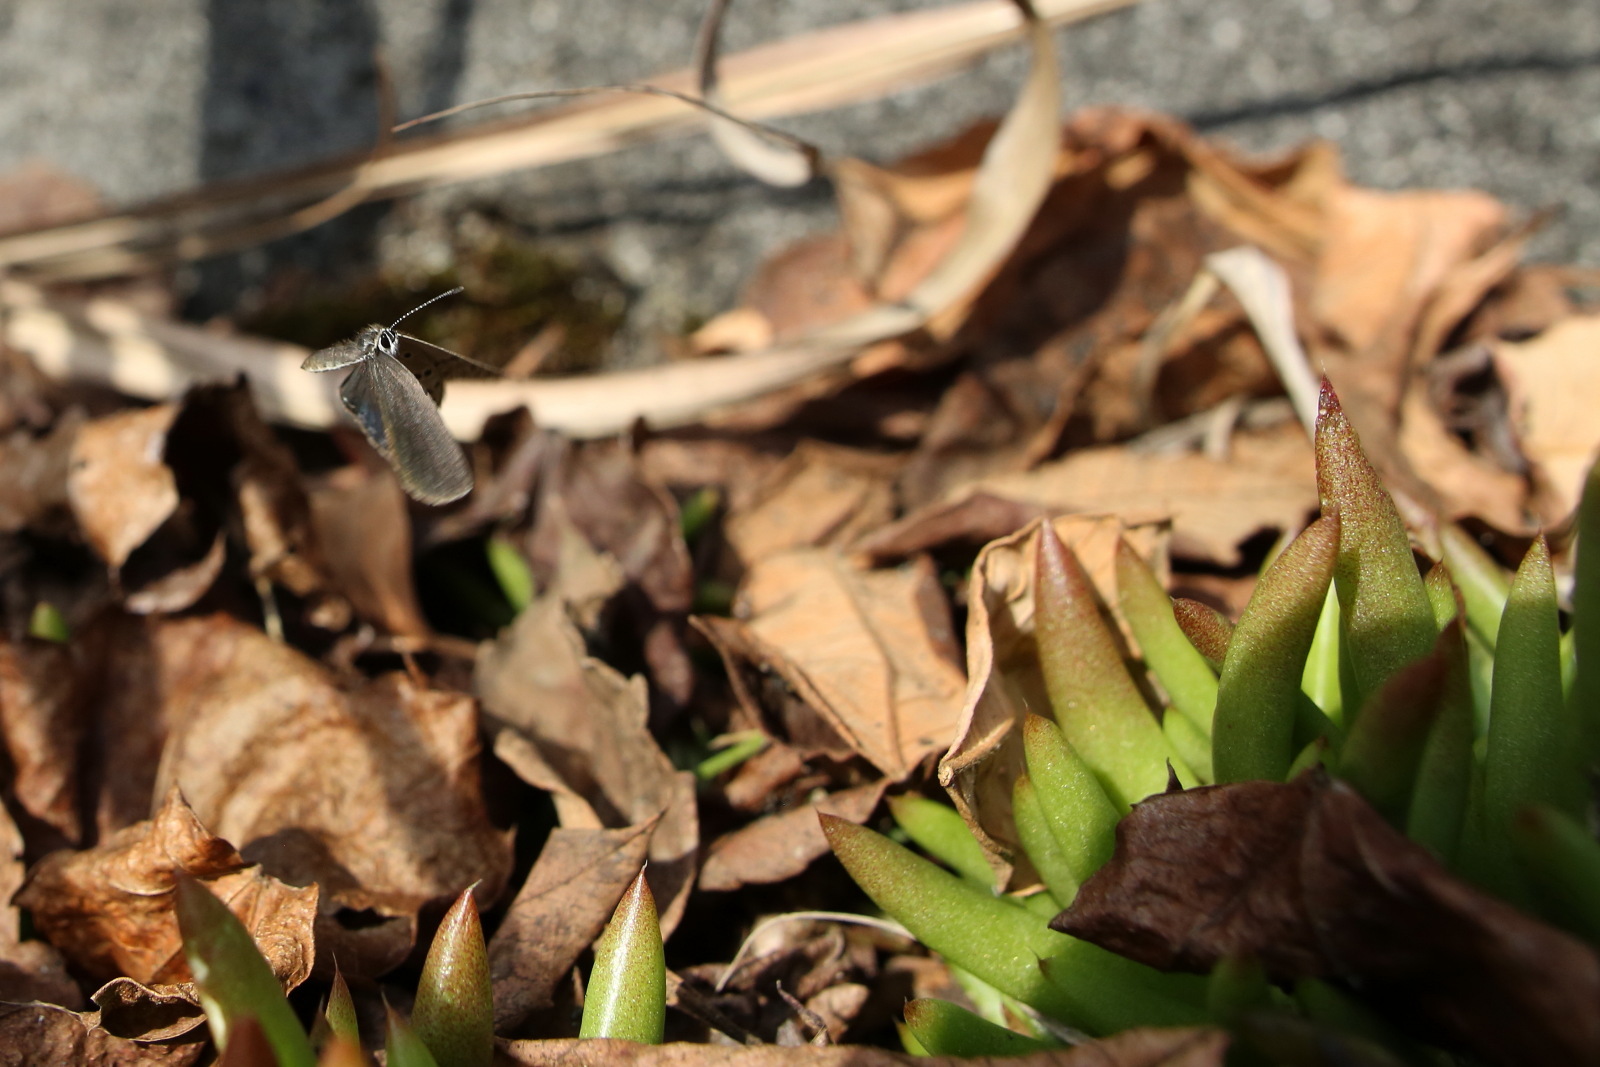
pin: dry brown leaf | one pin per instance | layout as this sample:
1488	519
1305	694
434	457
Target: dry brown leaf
29	970
599	490
110	908
47	1034
1308	879
1467	483
778	709
141	1012
35	486
819	496
871	652
274	755
569	896
752	785
1553	380
1385	255
42	698
778	847
362	524
1003	679
570	724
969	522
1268	482
1132	1048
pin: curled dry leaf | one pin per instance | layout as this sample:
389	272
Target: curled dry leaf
1004	683
56	1035
148	1013
871	653
1308	879
572	725
275	756
566	901
109	909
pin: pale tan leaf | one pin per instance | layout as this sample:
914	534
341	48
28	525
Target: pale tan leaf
118	486
1003	678
1553	381
871	652
820	495
1267	482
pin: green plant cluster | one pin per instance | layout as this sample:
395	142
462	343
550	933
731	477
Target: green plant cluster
452	1020
1450	699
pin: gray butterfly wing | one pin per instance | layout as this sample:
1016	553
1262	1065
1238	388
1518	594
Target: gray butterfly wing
394	411
416	345
433	365
342	354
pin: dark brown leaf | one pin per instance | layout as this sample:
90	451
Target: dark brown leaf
623	513
781	846
559	911
572	725
276	756
1308	879
29	970
361	521
42	721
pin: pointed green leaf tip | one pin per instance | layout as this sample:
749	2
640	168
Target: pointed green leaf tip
454	1012
940	832
627	995
340	1012
1095	701
1384	608
1259	693
401	1045
232	978
1532	751
944	1029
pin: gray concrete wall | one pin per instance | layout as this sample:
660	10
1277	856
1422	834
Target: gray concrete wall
145	97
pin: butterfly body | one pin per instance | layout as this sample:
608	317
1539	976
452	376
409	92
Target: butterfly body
392	392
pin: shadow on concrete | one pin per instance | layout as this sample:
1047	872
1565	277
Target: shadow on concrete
1456	73
288	83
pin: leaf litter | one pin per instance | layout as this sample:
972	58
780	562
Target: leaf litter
817	532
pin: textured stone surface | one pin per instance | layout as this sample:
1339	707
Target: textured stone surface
146	97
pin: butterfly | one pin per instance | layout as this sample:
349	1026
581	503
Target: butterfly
393	393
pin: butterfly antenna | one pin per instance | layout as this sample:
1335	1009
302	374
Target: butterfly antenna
425	303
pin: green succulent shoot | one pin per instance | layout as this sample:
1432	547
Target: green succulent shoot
1450	700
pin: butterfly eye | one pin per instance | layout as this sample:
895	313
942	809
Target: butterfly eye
388	342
